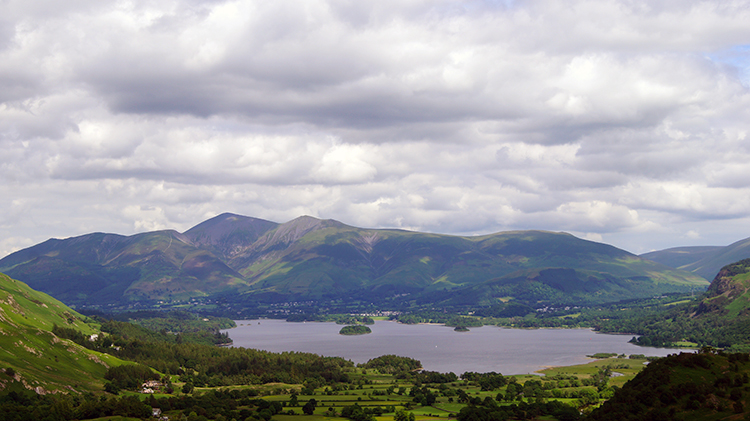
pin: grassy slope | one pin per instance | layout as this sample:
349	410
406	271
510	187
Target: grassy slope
40	360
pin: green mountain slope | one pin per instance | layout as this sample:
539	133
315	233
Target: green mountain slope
38	359
703	261
245	259
719	318
107	268
470	270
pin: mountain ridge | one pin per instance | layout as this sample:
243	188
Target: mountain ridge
243	259
704	261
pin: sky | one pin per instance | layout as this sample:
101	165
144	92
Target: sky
624	122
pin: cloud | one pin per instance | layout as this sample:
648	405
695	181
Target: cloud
620	121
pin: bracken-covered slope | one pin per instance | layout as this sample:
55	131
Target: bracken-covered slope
703	261
37	358
241	258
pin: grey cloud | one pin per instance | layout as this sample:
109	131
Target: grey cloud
602	118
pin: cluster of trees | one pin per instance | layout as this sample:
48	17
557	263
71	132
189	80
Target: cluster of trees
27	406
489	410
128	377
173	321
119	334
705	382
487	381
424	396
170	326
355	330
392	364
358	413
209	365
433	377
220	405
100	343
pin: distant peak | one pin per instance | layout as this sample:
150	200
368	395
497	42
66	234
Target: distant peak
305	218
230	216
311	221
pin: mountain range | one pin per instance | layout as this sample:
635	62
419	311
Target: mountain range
704	261
242	259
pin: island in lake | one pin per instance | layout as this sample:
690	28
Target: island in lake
355	330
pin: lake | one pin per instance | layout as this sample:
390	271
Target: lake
440	348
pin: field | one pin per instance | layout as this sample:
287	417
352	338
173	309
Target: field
382	394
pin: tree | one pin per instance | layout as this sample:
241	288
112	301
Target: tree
188	388
266	414
588	397
110	387
309	407
357	413
402	415
601	378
